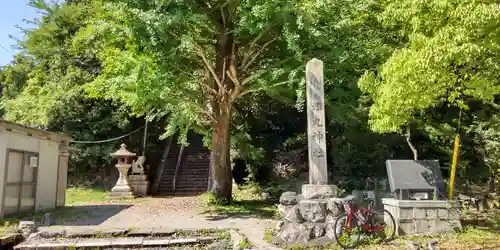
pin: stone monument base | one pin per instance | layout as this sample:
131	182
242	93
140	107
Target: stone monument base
121	195
139	184
121	191
424	216
305	220
315	191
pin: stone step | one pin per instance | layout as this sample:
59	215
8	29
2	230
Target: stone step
118	242
185	171
182	193
184	187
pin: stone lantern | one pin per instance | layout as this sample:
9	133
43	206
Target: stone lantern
122	188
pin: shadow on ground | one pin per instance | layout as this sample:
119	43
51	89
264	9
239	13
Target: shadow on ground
76	215
241	209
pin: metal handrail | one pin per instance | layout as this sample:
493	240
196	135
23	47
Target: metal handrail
159	171
177	166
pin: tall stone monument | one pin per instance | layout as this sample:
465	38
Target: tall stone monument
318	173
312	214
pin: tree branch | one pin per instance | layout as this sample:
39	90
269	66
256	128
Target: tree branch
255	41
263	88
408	140
206	86
206	63
208	66
231	73
210	116
259	52
252	77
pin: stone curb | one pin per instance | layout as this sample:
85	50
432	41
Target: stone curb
117	242
91	231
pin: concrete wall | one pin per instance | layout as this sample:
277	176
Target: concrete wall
423	216
63	179
47	181
3	156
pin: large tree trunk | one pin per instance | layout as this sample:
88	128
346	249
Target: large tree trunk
220	156
221	109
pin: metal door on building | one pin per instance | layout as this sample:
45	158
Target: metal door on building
20	183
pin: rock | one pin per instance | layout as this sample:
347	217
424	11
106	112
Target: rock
395	243
290	213
330	230
279	225
27	228
317	230
10	239
330	218
266	196
217	245
52	232
295	233
334	206
288	198
432	244
33	236
412	245
313	210
48	220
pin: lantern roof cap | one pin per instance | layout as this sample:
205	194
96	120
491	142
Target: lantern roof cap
122	151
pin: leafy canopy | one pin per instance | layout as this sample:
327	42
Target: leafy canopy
451	57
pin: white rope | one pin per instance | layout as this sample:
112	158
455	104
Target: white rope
108	140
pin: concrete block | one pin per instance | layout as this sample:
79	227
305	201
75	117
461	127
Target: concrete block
424	217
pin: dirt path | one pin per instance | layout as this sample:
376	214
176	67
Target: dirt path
179	213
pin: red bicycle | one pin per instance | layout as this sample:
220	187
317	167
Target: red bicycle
359	220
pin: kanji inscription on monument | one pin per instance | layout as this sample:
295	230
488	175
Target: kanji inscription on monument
318	173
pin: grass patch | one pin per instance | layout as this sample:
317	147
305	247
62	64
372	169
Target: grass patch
62	214
74	196
246	202
467	238
85	195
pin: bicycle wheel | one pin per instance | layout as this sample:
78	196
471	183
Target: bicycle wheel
383	225
351	228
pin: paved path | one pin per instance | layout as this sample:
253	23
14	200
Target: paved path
179	213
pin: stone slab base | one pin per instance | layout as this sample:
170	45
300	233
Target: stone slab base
314	191
121	189
419	217
121	195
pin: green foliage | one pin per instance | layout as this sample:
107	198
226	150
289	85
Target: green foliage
450	57
89	64
43	86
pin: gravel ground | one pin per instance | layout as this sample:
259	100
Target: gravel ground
174	212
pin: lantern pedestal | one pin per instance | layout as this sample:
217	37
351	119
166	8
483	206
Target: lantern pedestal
122	188
139	184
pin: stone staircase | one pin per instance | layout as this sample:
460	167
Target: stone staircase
192	176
